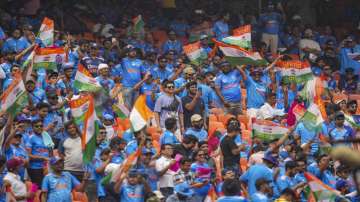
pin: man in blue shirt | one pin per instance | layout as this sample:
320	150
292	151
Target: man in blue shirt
103	77
264	191
168	137
308	140
341	132
36	94
131	70
227	87
288	181
231	190
172	44
92	61
16	43
134	189
197	128
270	22
161	72
320	169
221	27
58	185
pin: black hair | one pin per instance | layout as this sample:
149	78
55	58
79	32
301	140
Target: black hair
164	145
201	143
318	159
166	82
289	192
233	125
115	142
270	94
196	153
105	151
351	102
161	57
71	122
231	187
260	182
191	83
170	123
290	165
189	139
185	160
42	105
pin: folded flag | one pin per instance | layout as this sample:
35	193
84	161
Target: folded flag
195	53
140	114
241	37
312	118
294	71
126	165
239	56
268	130
320	192
49	58
84	80
15	97
89	132
46	32
79	107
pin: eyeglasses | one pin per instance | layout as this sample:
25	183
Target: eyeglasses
169	148
38	126
170	86
102	133
201	154
164	61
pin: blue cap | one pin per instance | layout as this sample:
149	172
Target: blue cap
224	63
147	151
108	117
184	189
133	173
341	184
55	159
22	118
268	157
68	65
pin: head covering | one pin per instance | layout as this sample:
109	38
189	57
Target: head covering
55	159
339	98
203	36
133	173
14	163
339	115
268	157
159	194
22	118
93	45
68	65
341	184
184	189
195	118
102	66
224	63
108	117
147	151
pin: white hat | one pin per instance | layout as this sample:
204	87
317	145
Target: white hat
102	66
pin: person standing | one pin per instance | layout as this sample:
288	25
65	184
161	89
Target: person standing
162	166
192	103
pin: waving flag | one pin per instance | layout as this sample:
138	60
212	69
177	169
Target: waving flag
239	56
15	97
46	32
312	118
241	37
320	192
267	130
140	114
195	53
79	107
127	164
84	80
295	71
49	58
90	130
211	196
138	24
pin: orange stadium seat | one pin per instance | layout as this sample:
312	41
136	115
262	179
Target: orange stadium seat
224	118
245	120
216	126
212	117
79	196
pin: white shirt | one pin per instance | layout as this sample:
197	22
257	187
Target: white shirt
18	187
105	29
167	179
308	43
73	160
267	111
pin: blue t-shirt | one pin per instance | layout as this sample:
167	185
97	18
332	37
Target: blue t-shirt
271	22
326	176
201	134
254	173
229	85
59	187
172	45
168	138
202	191
180	82
2	190
15	45
161	74
255	92
341	133
151	174
206	96
259	197
132	193
148	90
306	135
38	148
347	62
221	29
131	71
180	28
92	63
18	152
98	177
284	182
107	84
38	95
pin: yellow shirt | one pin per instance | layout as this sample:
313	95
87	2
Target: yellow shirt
168	4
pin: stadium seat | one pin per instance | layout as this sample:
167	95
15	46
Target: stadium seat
216	111
224	118
216	126
245	120
79	197
212	117
246	135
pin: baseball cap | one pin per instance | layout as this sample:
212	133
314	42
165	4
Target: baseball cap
341	184
189	70
102	66
268	157
14	163
68	65
195	118
108	117
203	36
184	189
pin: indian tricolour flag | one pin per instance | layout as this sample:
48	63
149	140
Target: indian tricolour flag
127	164
84	81
121	110
268	130
138	24
295	71
89	132
312	118
79	107
211	196
239	56
49	58
241	37
140	115
15	97
195	53
320	192
46	32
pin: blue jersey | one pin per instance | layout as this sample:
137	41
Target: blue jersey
92	63
59	187
38	148
256	92
37	96
271	22
2	188
15	45
172	45
254	173
306	135
180	82
259	197
231	199
131	71
168	138
229	85
18	152
107	84
148	90
161	74
221	30
132	193
201	134
98	177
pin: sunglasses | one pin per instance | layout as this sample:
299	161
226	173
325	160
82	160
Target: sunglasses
170	86
38	126
201	154
102	133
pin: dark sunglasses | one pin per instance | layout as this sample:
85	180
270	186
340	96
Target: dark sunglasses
38	126
170	86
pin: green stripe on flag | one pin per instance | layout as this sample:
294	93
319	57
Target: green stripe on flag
90	147
266	137
46	65
245	61
297	79
19	104
107	179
